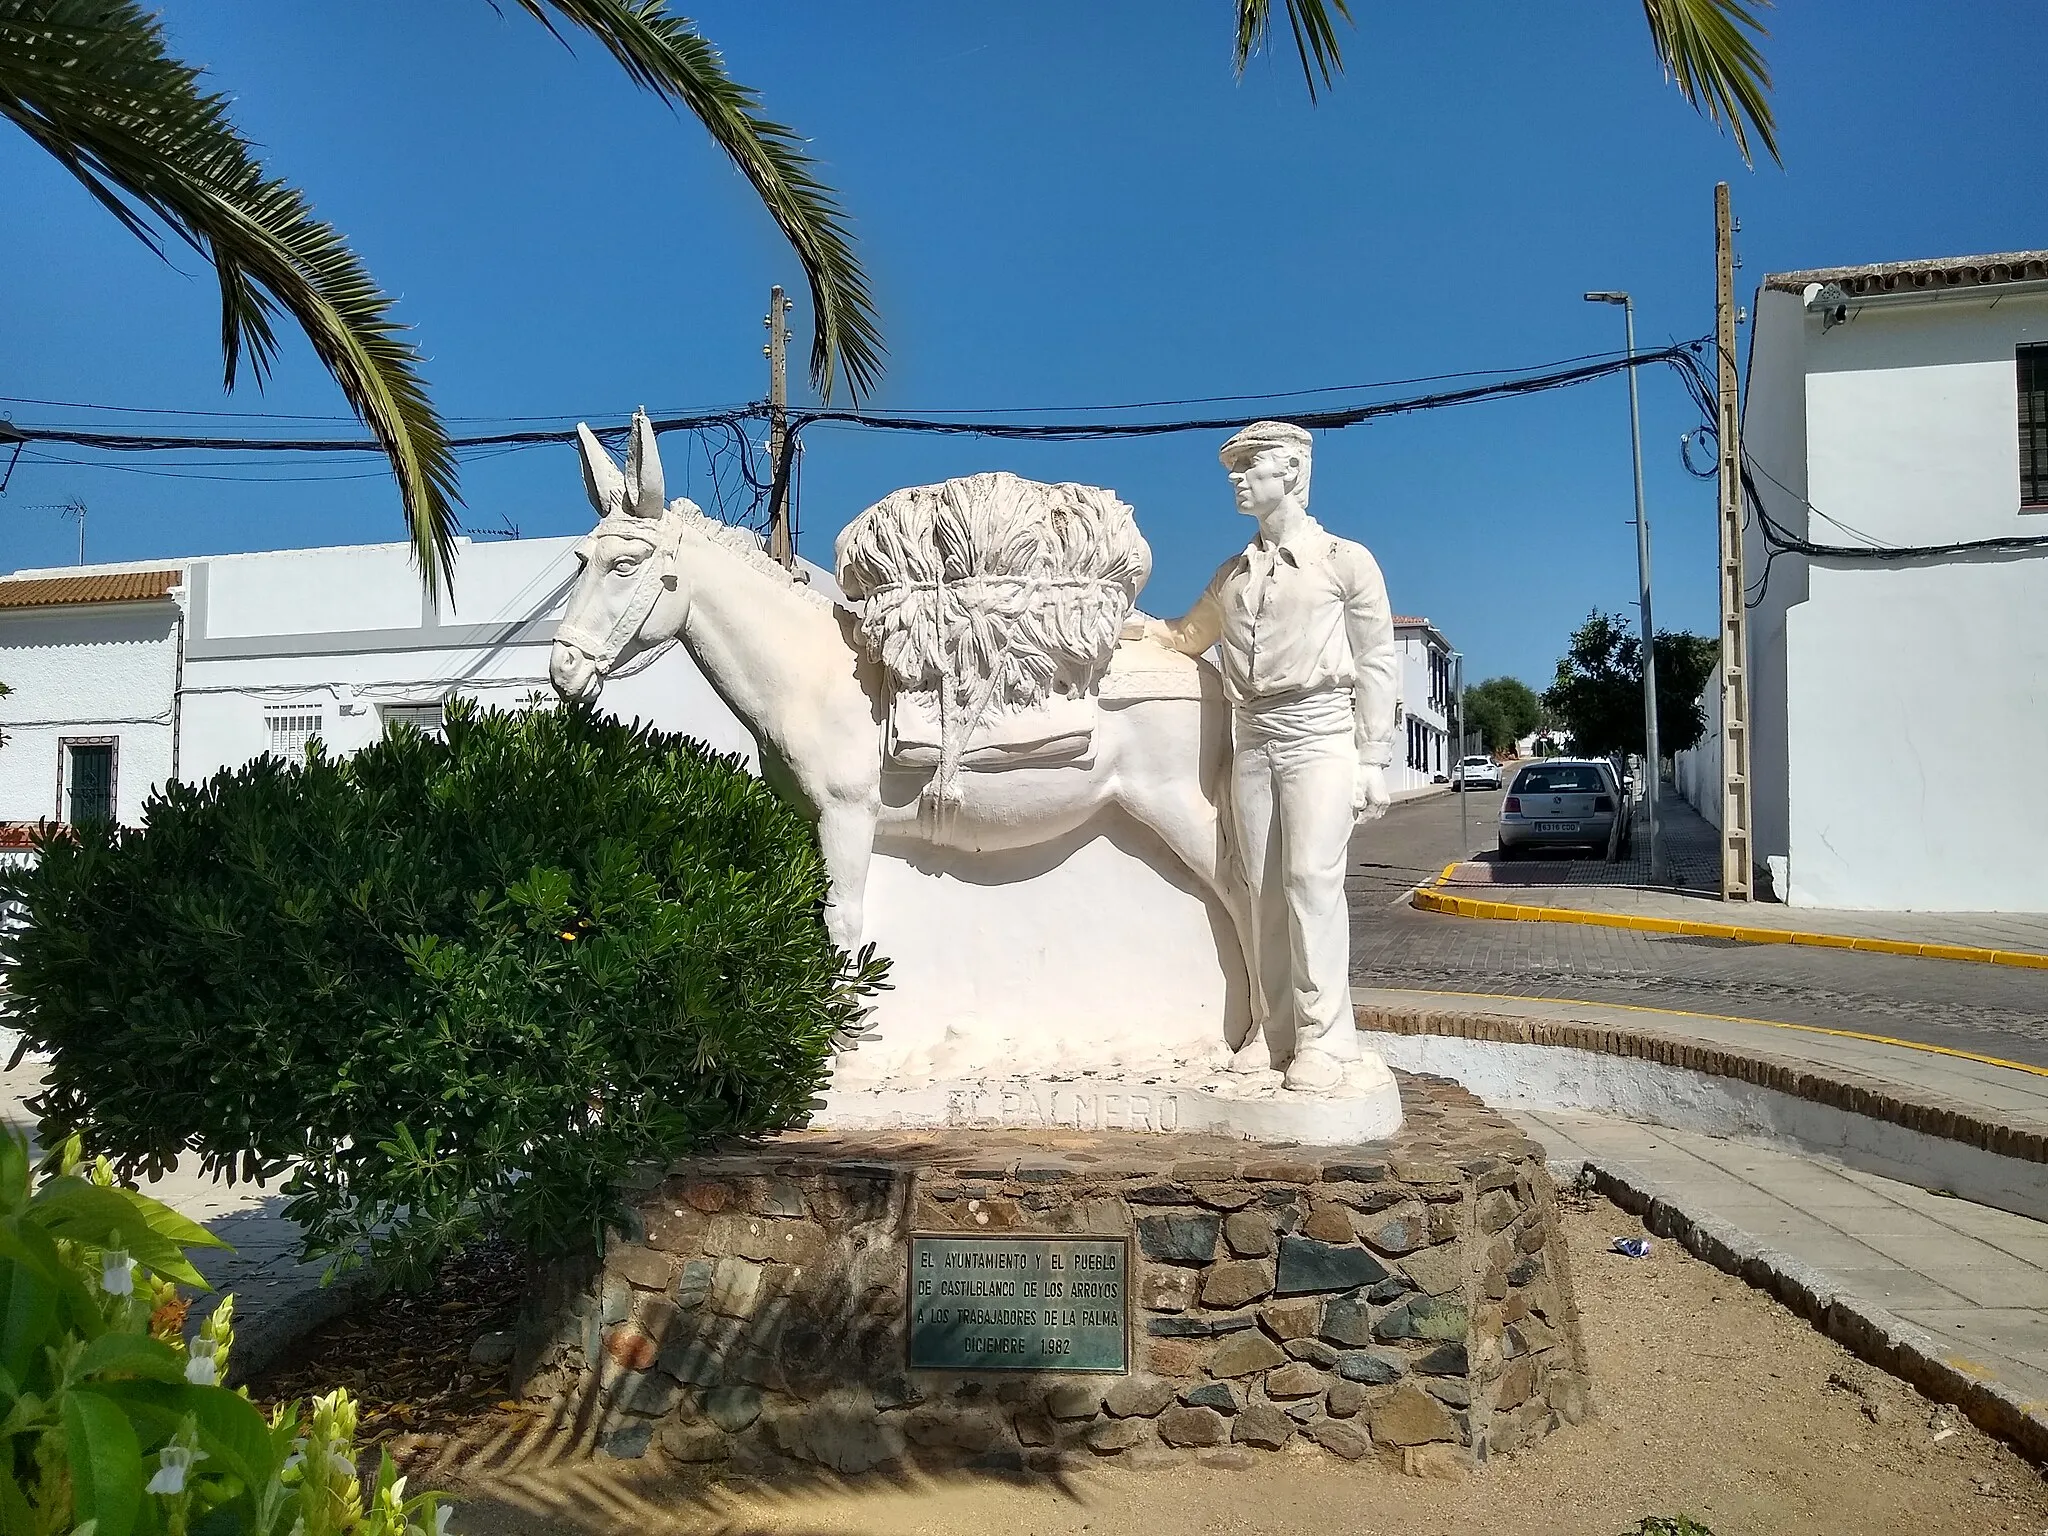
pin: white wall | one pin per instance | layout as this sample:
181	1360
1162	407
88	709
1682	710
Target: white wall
1697	771
1415	648
341	632
247	659
1774	436
1902	680
101	671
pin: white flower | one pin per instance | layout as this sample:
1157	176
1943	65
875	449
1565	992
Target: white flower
173	1461
201	1370
441	1515
117	1272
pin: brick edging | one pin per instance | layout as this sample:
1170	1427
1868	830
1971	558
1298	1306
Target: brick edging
1931	1114
1429	899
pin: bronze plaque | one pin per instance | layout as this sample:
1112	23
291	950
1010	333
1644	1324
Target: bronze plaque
1002	1302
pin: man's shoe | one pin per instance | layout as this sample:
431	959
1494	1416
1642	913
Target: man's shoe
1314	1071
1253	1056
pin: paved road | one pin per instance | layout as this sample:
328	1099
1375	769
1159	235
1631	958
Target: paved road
1981	1008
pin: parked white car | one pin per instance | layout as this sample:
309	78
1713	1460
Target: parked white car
1476	773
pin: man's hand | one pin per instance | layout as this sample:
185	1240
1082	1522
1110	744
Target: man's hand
1369	795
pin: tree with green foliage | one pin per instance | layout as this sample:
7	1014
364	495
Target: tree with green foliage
92	83
1598	693
442	988
1503	710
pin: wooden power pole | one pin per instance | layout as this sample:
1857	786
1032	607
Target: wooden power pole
1738	857
780	544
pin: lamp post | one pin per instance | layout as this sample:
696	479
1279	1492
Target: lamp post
1635	429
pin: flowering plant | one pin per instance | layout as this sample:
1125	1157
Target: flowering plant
111	1423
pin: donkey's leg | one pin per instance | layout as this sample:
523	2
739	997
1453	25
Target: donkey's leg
1189	823
846	835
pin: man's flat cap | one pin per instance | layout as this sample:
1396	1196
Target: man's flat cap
1246	445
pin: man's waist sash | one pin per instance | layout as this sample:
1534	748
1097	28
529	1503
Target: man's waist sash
1305	715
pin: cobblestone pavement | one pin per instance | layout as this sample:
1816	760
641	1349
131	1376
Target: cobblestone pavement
1982	1008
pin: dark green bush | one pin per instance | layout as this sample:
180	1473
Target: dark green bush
440	987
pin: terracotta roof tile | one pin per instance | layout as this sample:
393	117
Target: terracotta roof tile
107	587
1917	276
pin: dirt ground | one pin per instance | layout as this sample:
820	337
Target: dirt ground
1711	1401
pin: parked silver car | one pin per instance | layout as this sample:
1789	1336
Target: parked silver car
1563	802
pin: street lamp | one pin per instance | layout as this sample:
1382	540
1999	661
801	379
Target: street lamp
1635	429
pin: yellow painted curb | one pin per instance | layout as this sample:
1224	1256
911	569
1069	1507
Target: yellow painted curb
1435	899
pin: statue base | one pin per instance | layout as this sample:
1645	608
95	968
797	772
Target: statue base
1037	1301
1186	1099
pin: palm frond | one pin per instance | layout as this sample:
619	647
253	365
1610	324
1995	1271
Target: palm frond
1315	35
91	82
1709	51
664	53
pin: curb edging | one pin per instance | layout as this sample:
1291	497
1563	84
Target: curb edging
1430	899
1862	1327
1930	1114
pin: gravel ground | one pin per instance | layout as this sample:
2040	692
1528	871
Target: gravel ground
1712	1401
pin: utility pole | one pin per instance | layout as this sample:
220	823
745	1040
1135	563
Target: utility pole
780	544
1635	433
1464	813
1737	856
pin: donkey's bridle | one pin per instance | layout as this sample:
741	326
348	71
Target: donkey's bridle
602	650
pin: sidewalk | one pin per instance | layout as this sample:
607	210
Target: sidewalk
1973	1280
1948	1294
1620	895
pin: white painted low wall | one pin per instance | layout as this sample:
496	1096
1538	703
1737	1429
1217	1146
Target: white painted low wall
1538	1077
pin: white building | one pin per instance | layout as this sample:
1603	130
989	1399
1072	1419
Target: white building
1899	700
125	675
1422	738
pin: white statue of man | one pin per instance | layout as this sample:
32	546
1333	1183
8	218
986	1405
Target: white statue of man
1306	637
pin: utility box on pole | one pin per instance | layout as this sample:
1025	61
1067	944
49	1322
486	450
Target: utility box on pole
1738	857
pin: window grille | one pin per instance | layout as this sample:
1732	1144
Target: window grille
2033	381
428	719
92	783
290	733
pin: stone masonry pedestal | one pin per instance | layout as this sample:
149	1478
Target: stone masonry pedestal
1408	1299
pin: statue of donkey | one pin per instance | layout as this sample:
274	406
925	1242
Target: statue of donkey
790	664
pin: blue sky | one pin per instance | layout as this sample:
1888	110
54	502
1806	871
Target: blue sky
1061	204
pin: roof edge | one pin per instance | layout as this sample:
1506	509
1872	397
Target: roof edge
1932	275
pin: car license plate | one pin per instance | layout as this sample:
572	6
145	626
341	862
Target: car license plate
1557	826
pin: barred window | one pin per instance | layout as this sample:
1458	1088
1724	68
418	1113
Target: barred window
2033	379
290	732
428	719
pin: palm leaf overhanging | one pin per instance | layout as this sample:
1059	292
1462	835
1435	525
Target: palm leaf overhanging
1315	35
664	54
1709	50
91	82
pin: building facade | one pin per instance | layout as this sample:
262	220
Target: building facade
123	676
1423	749
1896	426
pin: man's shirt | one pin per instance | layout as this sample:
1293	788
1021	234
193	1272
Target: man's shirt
1302	616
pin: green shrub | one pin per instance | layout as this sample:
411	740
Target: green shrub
441	987
110	1422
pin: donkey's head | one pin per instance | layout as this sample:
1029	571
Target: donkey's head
629	591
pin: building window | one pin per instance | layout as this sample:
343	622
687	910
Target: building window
427	719
290	733
2033	379
88	782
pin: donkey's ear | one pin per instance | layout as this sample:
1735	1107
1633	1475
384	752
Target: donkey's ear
601	477
645	493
